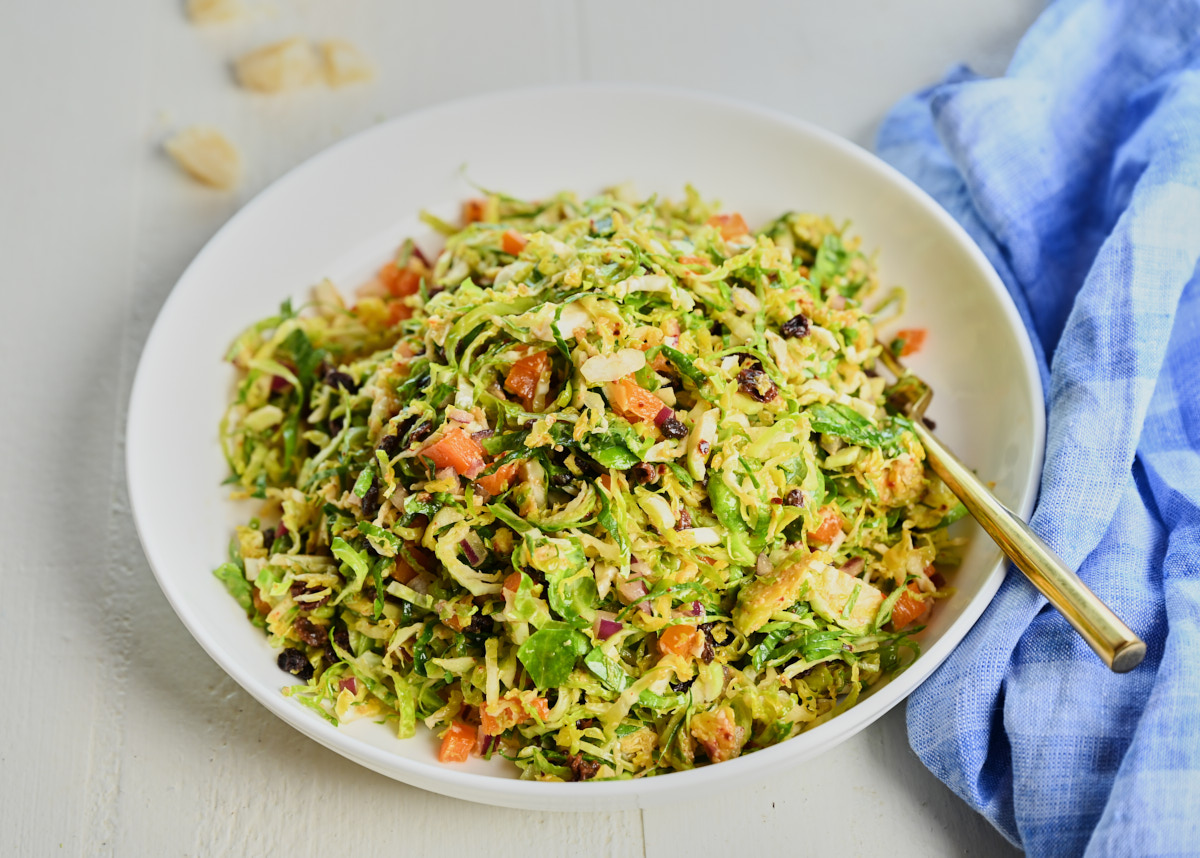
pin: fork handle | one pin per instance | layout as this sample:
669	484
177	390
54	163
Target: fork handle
1105	633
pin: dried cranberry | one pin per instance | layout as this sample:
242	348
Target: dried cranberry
481	625
560	480
268	538
685	520
644	472
420	433
389	445
341	638
794	498
298	590
309	632
797	326
582	768
370	501
682	685
672	428
335	378
294	662
755	383
708	634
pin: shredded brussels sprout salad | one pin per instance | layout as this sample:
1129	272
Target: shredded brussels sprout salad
609	488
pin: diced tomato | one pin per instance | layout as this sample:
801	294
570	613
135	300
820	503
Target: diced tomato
830	526
398	311
908	608
634	402
677	640
401	282
404	571
731	225
912	339
457	743
695	260
541	707
513	242
473	211
525	376
496	483
456	449
260	604
497	718
488	723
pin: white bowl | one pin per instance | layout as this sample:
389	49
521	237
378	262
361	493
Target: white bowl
342	213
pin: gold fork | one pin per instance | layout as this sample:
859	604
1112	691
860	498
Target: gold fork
1103	630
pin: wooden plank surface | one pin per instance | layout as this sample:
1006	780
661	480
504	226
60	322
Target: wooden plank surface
125	739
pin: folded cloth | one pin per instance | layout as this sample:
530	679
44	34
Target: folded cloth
1078	173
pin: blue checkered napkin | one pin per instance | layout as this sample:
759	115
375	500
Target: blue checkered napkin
1078	173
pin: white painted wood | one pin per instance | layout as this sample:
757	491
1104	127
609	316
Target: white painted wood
123	738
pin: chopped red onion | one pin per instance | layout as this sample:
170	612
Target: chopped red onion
631	591
459	416
639	567
694	610
663	416
853	566
605	628
483	433
349	684
473	548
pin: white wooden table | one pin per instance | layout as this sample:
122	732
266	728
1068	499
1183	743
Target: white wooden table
122	737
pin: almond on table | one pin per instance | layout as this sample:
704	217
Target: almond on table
279	67
343	63
207	155
215	11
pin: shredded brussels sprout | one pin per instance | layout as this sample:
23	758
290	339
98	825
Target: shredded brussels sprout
609	488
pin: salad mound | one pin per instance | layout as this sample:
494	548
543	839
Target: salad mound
608	488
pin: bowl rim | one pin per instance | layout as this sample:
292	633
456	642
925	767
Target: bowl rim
565	796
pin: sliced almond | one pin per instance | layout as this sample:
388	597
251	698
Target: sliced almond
214	11
207	155
279	67
343	63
